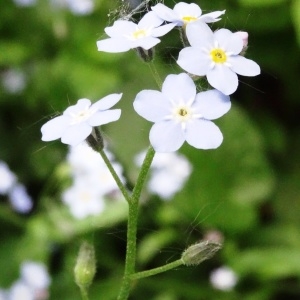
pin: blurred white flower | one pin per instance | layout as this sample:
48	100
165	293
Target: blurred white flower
21	291
223	279
81	7
7	178
13	81
19	199
169	172
25	2
3	295
35	275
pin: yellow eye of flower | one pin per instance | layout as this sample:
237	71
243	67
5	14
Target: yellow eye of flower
189	19
139	34
218	56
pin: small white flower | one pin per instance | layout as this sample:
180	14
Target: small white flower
216	55
19	199
223	279
77	121
125	35
83	200
7	178
35	275
81	7
14	81
184	13
169	172
182	115
20	290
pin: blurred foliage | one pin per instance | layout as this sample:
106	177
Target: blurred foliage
247	190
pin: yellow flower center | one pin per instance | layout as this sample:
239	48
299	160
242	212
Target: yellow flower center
182	113
189	19
218	56
139	34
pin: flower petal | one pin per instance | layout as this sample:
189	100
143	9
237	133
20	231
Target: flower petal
164	12
223	79
104	117
194	61
182	9
54	128
166	136
199	35
162	30
229	41
106	102
212	104
114	45
120	28
203	134
244	66
212	17
152	105
75	134
179	89
82	104
146	42
150	20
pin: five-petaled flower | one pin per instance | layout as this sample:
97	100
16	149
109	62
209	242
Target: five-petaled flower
126	35
77	121
216	55
184	13
180	114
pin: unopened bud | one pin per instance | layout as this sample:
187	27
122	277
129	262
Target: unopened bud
85	267
244	36
145	55
95	140
199	252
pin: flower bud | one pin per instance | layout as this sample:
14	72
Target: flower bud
244	36
85	267
95	140
199	252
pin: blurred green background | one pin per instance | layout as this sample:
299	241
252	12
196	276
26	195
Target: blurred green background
247	190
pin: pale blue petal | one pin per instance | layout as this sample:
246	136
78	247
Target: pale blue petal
194	61
152	105
203	134
106	102
104	117
82	104
187	10
150	20
212	17
212	104
164	12
223	79
114	45
200	35
166	136
229	41
179	89
54	128
244	66
162	30
120	29
76	134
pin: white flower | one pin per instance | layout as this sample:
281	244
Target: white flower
126	35
20	290
14	81
223	279
35	275
83	200
7	178
216	55
169	172
184	13
81	7
19	199
182	115
76	123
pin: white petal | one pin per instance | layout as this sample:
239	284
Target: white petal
81	104
212	17
106	102
164	12
152	105
223	79
199	35
194	61
187	10
76	134
179	88
54	128
114	45
104	117
203	134
212	104
146	43
166	136
150	20
229	41
120	28
162	30
244	66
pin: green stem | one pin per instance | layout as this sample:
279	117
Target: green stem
115	175
155	74
132	226
84	293
158	270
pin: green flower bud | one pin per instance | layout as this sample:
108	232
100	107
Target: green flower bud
199	252
85	267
